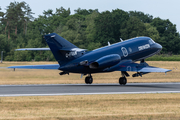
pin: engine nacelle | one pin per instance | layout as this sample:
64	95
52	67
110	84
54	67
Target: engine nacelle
106	61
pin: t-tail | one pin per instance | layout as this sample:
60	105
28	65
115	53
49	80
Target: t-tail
63	50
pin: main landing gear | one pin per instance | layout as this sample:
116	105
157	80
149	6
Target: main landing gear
89	79
123	80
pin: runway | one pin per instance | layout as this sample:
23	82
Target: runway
83	89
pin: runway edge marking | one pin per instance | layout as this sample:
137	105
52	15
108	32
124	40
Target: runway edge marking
101	93
88	85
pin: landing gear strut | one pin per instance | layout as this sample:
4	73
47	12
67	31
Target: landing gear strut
89	79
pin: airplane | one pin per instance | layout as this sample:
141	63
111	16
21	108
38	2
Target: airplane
121	56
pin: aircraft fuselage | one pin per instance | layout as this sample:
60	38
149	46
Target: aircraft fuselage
135	49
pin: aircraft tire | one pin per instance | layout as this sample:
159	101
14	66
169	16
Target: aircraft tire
122	80
88	80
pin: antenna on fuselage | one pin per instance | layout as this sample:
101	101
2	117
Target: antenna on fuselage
121	40
109	44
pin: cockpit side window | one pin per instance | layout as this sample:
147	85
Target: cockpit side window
151	42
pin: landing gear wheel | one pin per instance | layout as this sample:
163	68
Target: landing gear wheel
88	80
122	80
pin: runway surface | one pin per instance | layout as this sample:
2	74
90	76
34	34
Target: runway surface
83	89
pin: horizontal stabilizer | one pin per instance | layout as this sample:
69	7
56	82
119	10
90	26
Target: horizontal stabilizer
69	50
50	66
23	49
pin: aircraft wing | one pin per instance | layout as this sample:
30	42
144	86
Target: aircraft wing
50	66
142	67
153	69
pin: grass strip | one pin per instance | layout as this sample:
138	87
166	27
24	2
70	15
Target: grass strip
126	106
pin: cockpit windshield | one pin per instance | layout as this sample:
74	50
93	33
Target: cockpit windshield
151	42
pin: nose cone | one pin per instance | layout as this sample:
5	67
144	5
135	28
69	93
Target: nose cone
158	46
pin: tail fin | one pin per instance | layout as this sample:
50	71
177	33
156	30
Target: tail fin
63	50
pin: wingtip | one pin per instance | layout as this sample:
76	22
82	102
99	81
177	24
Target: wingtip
167	71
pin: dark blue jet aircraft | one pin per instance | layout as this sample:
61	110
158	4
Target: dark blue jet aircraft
120	56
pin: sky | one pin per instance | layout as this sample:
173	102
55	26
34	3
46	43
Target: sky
165	9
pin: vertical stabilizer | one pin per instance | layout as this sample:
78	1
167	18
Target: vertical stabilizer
60	47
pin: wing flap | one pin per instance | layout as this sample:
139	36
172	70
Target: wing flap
50	66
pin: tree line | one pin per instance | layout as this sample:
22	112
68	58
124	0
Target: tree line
88	29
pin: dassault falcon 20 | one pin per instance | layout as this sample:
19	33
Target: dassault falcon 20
121	56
